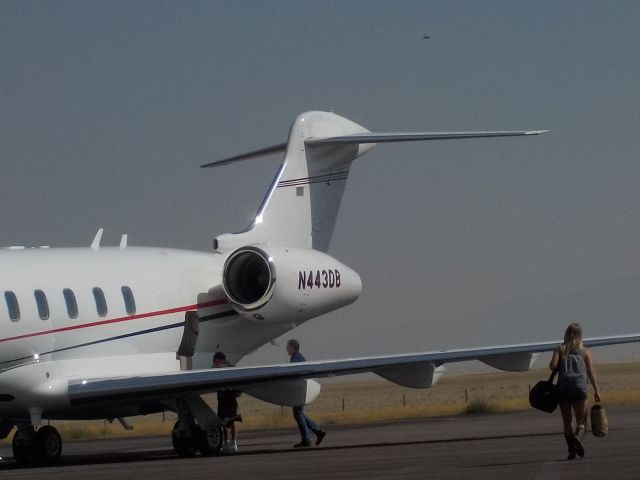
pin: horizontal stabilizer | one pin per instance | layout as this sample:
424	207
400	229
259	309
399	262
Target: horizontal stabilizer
372	138
263	152
414	137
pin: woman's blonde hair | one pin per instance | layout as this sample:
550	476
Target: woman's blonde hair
572	339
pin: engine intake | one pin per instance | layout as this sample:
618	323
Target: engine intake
287	285
249	278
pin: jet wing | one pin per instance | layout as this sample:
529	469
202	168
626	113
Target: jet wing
166	386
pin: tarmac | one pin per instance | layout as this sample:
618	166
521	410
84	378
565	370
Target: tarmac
518	446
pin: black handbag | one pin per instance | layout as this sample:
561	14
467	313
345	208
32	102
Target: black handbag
544	395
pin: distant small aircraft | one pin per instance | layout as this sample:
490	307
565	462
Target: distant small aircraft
426	37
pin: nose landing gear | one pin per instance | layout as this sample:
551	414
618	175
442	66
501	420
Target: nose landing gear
48	445
41	447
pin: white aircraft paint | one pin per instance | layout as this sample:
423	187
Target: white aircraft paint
255	286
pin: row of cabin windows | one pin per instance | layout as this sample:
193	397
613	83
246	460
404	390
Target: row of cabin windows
70	301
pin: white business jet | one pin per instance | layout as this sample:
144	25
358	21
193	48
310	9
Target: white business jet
93	333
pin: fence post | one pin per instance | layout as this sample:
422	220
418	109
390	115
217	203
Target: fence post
466	396
343	404
404	400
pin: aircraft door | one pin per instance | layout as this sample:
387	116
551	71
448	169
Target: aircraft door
189	340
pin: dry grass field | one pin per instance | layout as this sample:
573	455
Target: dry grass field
378	401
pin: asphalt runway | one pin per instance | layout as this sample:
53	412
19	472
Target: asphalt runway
515	445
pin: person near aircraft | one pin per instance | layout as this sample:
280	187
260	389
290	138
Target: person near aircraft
227	408
304	422
574	365
136	369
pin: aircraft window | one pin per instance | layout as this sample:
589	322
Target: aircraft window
43	305
70	300
12	305
129	301
101	303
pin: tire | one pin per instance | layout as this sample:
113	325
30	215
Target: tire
184	442
210	440
23	446
48	445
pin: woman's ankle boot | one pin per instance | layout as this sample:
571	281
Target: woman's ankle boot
571	445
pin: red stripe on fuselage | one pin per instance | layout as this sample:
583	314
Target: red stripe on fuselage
186	308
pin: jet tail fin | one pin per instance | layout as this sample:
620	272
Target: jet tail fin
301	206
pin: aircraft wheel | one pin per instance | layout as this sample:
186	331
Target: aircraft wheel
184	441
23	445
48	445
210	440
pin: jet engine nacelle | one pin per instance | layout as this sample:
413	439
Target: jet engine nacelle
287	285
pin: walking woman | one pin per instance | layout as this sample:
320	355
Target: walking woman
574	364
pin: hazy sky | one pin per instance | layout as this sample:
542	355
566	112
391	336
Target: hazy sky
108	108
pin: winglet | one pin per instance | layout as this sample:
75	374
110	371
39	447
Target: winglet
95	245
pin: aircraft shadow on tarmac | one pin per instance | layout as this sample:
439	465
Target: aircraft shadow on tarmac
252	449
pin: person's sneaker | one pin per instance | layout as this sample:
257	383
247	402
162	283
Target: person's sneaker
233	448
225	447
320	435
302	444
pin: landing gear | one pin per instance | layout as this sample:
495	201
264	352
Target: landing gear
23	445
43	447
48	445
183	437
210	440
198	428
188	439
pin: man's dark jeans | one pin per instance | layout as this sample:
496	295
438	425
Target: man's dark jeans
304	423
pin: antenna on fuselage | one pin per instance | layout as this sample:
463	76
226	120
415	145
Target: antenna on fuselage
95	245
